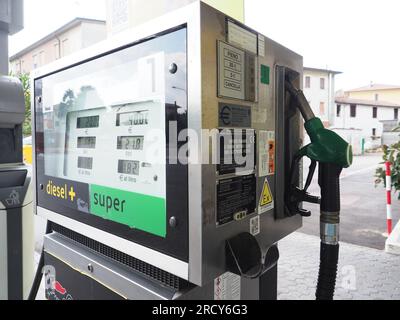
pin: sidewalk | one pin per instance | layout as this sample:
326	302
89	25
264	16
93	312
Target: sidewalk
363	274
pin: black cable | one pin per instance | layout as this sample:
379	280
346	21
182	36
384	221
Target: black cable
329	181
38	275
329	257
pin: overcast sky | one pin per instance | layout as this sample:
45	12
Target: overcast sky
358	37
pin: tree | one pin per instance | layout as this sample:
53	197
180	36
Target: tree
27	127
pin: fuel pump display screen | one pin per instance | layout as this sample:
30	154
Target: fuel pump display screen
85	163
137	118
128	167
86	142
101	151
130	143
88	122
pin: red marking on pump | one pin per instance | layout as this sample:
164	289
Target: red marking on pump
59	288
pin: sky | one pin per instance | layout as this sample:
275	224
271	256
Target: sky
357	37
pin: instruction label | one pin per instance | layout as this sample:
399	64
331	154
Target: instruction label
237	151
242	37
231	115
255	226
261	45
266	154
236	197
266	199
227	287
231	75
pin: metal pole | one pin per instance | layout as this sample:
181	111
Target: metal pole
388	197
3	53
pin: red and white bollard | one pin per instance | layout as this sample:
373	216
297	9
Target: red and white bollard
388	197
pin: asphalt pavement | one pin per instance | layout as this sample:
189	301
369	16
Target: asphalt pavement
363	206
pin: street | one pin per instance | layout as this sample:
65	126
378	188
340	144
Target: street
363	206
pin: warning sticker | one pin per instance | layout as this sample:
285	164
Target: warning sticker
227	287
266	161
266	200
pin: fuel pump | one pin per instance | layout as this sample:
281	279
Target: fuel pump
201	217
16	198
332	154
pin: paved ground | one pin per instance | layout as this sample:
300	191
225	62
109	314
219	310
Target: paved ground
364	273
363	207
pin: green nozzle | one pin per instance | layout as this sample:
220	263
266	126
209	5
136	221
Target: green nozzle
326	146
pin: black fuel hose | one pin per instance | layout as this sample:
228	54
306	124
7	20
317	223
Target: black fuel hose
329	181
38	275
329	256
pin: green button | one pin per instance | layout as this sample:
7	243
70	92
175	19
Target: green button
265	74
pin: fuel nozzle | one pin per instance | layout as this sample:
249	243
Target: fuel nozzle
326	146
332	154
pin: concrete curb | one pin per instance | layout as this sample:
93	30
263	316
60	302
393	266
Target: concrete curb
393	242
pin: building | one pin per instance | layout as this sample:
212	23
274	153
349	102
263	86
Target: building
376	92
319	89
123	14
368	116
73	36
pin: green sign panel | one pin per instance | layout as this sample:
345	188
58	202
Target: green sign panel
265	74
135	210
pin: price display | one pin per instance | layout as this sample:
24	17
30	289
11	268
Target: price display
128	167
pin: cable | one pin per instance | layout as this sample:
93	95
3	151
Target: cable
38	275
327	272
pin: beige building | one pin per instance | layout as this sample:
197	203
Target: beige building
73	36
376	92
123	14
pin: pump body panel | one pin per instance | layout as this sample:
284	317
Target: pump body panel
195	85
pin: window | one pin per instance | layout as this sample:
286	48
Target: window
322	108
376	97
41	58
308	82
373	132
18	67
57	50
374	112
353	110
65	47
338	110
396	114
322	83
35	61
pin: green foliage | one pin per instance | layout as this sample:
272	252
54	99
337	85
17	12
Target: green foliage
27	128
24	78
391	154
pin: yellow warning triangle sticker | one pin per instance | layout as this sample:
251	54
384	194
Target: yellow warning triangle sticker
266	198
